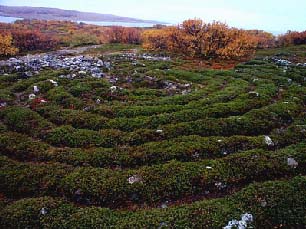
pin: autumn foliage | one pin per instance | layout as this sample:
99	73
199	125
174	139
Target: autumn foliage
30	35
79	39
6	45
193	38
205	40
29	40
292	38
265	39
119	34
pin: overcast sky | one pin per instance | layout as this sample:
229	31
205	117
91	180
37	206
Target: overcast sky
271	15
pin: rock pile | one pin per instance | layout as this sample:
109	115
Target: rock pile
77	65
286	63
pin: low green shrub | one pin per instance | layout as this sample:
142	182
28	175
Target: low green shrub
69	136
24	120
272	204
76	118
149	184
61	97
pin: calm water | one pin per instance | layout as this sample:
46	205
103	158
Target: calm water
106	23
9	19
102	23
125	24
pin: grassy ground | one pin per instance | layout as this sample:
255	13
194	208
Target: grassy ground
113	48
296	53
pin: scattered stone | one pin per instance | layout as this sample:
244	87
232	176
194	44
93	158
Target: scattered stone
55	84
196	155
28	74
185	92
292	162
113	89
43	211
27	65
269	141
247	217
159	131
87	108
154	58
162	225
35	89
254	93
241	224
285	63
220	185
224	152
164	205
32	96
231	224
3	104
281	62
82	72
134	179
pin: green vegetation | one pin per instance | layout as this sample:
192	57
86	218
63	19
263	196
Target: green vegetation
268	201
111	48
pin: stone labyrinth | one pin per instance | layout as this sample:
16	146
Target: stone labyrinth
132	140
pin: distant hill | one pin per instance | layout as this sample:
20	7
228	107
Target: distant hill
44	13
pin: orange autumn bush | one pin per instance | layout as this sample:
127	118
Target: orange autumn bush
196	38
6	45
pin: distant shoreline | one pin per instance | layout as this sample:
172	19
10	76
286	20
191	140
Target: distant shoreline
46	13
99	23
6	19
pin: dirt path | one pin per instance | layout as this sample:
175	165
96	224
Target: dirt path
75	51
